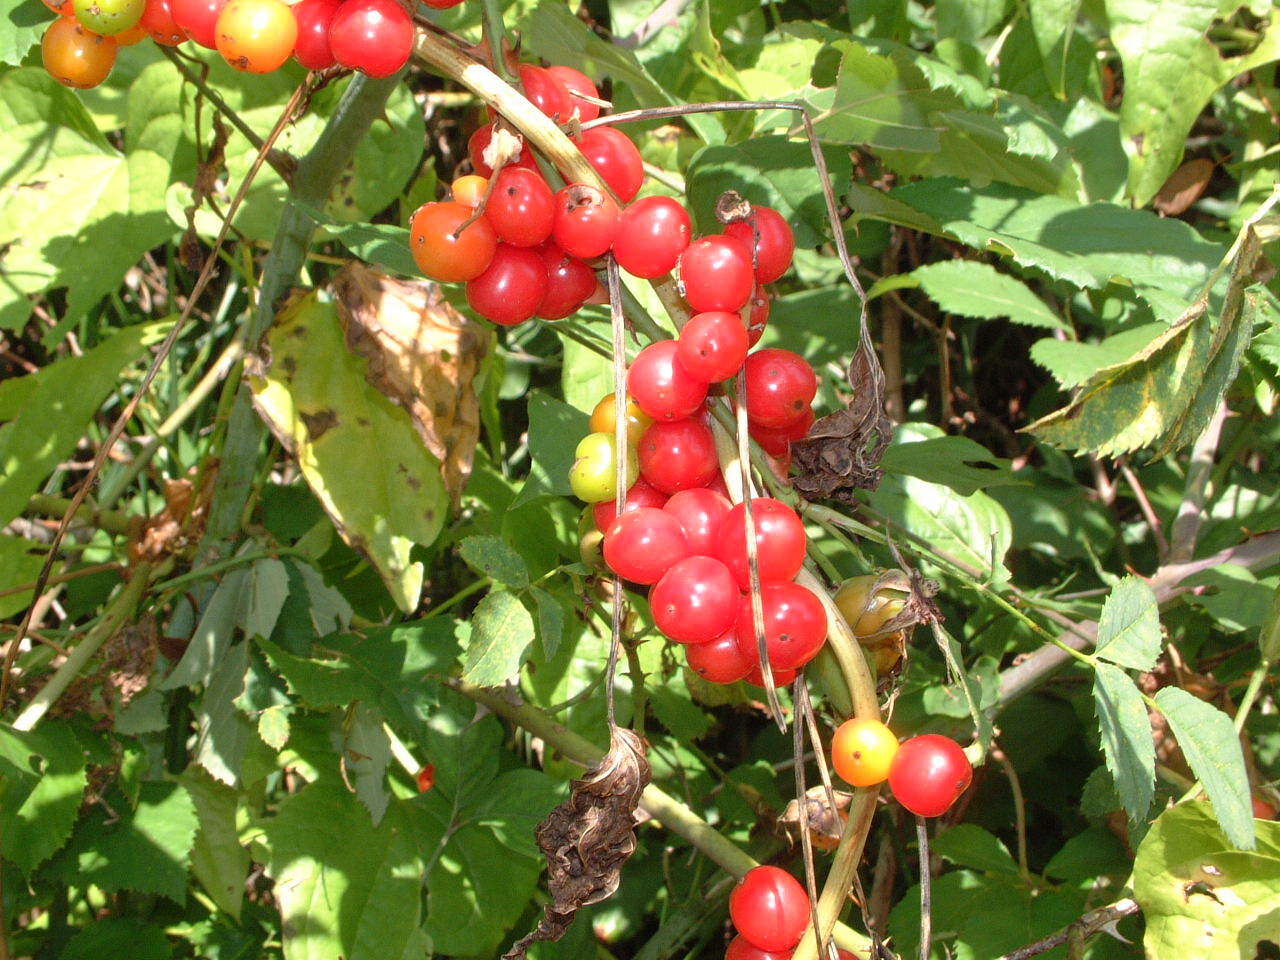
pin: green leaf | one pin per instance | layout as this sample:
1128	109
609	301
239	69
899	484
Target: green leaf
112	938
554	431
38	820
218	860
1212	748
1053	23
345	888
955	462
45	414
1093	853
265	593
1129	628
970	846
366	751
1269	636
1171	69
1088	245
21	26
501	632
1127	743
550	621
20	563
1164	395
495	558
223	733
969	20
377	244
1072	362
212	635
1197	893
1233	596
315	398
982	680
147	849
970	288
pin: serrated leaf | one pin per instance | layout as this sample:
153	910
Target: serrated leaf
38	818
328	610
1209	742
223	733
218	860
495	558
970	288
315	398
550	621
1127	743
366	751
969	845
501	632
212	636
1164	395
1072	362
21	26
1129	628
955	462
1194	889
345	888
147	849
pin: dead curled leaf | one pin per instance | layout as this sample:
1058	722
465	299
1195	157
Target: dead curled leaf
423	354
842	451
826	825
589	837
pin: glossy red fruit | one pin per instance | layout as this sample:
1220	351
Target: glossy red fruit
569	283
439	253
780	387
716	274
652	234
372	36
780	541
314	17
719	661
1263	810
795	624
615	158
781	677
157	20
929	773
701	513
586	221
545	92
642	545
442	4
426	778
521	207
771	234
576	82
770	908
777	443
755	315
512	287
713	346
678	455
695	601
661	387
198	19
639	494
477	145
742	949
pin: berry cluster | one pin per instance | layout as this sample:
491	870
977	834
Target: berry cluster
256	36
927	774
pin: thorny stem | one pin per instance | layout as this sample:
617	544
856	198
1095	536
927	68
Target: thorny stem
117	428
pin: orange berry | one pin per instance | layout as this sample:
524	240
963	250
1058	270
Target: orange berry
440	254
74	56
862	751
256	36
469	190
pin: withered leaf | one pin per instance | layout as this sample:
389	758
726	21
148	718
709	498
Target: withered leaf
423	354
1184	187
842	451
826	825
589	837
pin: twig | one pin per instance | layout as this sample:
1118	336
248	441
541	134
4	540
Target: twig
926	888
63	577
800	697
1019	809
117	428
1088	925
119	524
1148	512
1186	525
621	448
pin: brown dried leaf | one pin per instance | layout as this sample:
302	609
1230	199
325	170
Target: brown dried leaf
826	825
179	524
1184	187
423	354
589	837
842	451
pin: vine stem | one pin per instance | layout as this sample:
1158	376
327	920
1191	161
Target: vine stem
621	447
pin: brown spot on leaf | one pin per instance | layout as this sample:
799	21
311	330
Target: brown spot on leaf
589	837
318	423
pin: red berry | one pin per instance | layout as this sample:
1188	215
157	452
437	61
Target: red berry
512	287
479	142
701	513
545	92
157	20
719	661
695	601
312	48
775	244
442	4
198	19
741	949
777	442
780	387
678	455
795	625
928	774
642	545
615	158
716	274
770	908
570	282
661	387
640	494
713	346
576	82
521	207
1263	810
652	234
781	677
780	541
372	36
586	221
426	778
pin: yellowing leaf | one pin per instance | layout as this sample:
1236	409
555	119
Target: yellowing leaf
359	451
